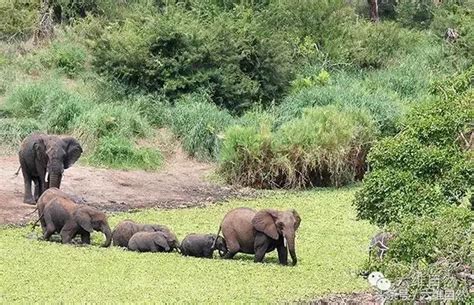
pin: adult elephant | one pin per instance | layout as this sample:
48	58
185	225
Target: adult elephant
248	231
61	215
46	156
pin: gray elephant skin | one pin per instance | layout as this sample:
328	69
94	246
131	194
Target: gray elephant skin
61	215
44	155
252	232
151	242
124	231
203	245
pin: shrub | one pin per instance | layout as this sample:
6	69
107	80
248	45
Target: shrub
68	57
423	167
118	152
326	146
429	247
110	120
178	52
18	18
415	13
198	123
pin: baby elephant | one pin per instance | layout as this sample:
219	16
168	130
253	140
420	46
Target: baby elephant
150	242
203	245
127	228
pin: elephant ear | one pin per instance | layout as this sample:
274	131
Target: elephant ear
73	151
83	219
40	151
264	221
161	241
297	217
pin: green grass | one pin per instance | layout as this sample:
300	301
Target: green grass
331	246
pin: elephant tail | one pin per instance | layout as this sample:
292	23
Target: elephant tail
36	222
215	241
18	170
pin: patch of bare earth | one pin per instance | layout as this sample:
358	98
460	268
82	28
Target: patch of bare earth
181	183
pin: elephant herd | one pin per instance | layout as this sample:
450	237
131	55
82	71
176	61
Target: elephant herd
43	159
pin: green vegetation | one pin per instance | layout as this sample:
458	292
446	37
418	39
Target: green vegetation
326	146
329	253
425	165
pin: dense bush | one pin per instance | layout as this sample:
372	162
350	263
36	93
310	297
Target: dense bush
429	247
118	152
198	123
233	55
17	18
326	146
424	166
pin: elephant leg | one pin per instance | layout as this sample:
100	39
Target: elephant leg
49	226
86	238
282	254
37	193
262	242
28	198
68	232
232	248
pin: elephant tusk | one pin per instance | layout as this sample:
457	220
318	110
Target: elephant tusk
285	243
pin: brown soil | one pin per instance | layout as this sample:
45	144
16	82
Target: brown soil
180	184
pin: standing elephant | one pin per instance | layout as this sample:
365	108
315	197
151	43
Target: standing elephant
61	215
202	245
151	242
248	231
127	228
45	157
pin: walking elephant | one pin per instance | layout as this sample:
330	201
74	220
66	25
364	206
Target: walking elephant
61	215
248	231
151	242
43	159
203	245
127	228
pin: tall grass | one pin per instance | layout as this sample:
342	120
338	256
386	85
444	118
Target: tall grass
110	119
326	146
198	123
14	130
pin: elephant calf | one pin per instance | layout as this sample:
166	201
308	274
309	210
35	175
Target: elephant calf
150	242
203	245
61	215
127	228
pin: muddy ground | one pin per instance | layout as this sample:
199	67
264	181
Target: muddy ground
181	183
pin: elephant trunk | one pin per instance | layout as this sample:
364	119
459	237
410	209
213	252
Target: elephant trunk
55	174
290	241
108	234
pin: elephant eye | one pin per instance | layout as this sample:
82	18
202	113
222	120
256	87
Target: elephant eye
280	225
